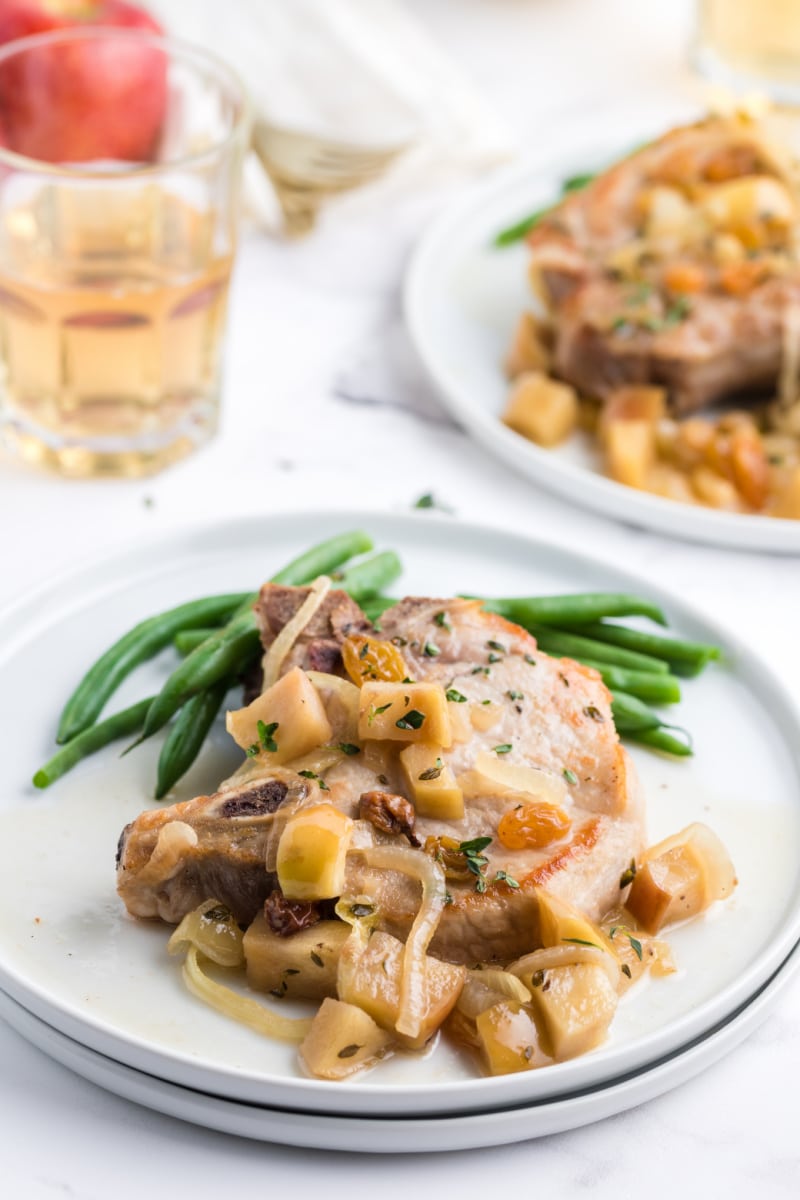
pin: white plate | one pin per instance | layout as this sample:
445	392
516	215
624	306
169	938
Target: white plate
400	1135
463	298
70	954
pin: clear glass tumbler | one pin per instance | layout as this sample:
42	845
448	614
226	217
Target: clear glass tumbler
751	45
120	175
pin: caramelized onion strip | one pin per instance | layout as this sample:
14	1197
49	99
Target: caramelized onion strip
275	656
413	981
241	1008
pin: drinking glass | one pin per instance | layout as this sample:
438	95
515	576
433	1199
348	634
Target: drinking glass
120	173
751	44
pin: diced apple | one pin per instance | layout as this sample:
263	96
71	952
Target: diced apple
312	853
560	922
342	1039
404	712
634	403
431	784
293	714
630	450
575	1005
370	977
680	877
302	965
541	409
509	1039
527	351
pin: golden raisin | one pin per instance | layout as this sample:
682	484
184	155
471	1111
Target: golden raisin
369	659
446	851
531	825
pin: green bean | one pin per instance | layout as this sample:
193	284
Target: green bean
660	689
375	606
632	714
223	653
517	231
569	611
366	578
660	739
683	656
135	647
183	742
186	640
121	724
324	558
569	645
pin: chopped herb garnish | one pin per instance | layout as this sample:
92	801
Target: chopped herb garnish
431	650
313	775
426	500
413	719
569	775
634	941
503	877
349	1051
495	658
348	748
582	942
486	702
626	970
497	646
252	751
432	772
364	651
678	311
476	860
448	898
441	620
362	910
629	875
479	671
455	697
399	641
376	711
265	735
316	959
503	749
512	695
382	779
537	978
640	293
530	660
593	713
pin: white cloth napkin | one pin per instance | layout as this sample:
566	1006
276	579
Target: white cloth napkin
356	70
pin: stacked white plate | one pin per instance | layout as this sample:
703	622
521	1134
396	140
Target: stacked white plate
97	991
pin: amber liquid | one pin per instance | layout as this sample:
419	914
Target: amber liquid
753	44
111	327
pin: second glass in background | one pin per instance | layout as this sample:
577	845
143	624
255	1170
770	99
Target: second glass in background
751	45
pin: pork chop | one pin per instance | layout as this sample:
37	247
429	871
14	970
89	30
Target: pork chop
675	267
506	696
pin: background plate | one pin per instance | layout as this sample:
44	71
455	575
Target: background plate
70	954
463	298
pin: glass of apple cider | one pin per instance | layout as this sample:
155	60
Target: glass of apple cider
752	45
120	171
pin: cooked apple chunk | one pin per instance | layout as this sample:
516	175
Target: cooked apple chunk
404	712
680	877
431	783
342	1039
302	965
312	853
575	1005
285	721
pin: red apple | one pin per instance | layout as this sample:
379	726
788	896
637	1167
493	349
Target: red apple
87	100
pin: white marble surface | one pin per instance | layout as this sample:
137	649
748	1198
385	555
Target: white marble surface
324	403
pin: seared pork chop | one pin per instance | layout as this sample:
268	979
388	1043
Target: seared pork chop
509	700
675	267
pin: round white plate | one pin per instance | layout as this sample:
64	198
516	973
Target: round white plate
70	954
394	1135
463	298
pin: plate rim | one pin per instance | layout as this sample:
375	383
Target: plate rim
570	481
652	1080
72	1021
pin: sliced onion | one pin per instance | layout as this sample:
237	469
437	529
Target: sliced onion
174	839
490	774
503	982
214	933
566	955
275	656
710	857
413	980
241	1008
